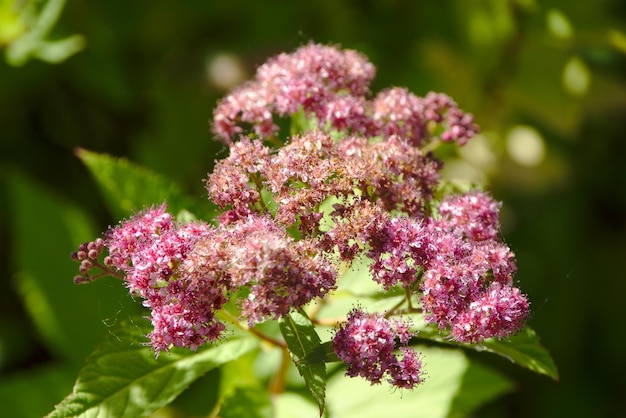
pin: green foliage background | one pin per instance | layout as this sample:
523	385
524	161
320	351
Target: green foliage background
140	89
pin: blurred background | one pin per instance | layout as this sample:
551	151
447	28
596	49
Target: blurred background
546	81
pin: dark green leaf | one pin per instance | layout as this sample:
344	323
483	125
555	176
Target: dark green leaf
301	338
70	319
523	349
128	187
526	350
123	378
323	353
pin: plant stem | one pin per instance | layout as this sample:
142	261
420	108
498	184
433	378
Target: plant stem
277	384
393	310
233	320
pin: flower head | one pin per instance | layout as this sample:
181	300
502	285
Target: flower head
366	343
152	251
468	280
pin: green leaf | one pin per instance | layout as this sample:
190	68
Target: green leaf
323	353
301	123
128	187
123	378
523	349
301	338
30	40
292	405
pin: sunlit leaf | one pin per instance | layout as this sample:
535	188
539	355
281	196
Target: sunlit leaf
301	338
357	398
292	405
123	378
128	187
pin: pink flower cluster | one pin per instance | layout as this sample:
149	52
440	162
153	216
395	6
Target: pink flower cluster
366	343
312	167
332	85
465	272
148	249
186	273
279	242
468	282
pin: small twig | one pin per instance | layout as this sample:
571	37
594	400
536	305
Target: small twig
393	310
233	320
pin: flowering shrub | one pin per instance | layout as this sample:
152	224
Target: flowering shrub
353	189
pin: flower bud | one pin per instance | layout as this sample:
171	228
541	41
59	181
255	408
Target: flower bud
85	266
81	279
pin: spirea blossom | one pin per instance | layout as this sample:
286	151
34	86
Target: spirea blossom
332	86
149	248
357	177
469	276
367	344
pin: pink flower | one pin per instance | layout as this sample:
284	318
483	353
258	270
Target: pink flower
151	250
366	343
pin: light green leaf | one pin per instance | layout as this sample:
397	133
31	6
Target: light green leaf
452	387
29	36
128	187
357	398
301	123
301	338
123	378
